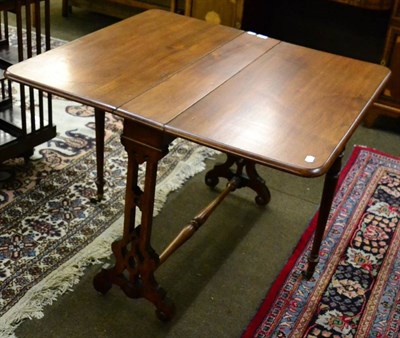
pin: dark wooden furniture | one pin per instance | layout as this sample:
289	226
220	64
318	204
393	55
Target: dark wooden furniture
22	128
261	101
224	12
122	8
389	102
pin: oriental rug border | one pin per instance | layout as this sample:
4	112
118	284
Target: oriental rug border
355	291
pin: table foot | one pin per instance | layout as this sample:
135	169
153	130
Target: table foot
134	274
246	171
312	264
100	182
102	282
165	308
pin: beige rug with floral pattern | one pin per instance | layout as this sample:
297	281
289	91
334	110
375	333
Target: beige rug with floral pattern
49	228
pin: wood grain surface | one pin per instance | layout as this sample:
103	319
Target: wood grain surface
282	105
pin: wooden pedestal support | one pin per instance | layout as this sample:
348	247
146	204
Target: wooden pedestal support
136	260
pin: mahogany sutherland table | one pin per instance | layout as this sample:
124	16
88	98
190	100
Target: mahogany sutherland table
257	99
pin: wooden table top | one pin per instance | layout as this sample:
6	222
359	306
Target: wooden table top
282	105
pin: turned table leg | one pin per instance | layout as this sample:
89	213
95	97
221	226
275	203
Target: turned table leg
328	193
99	116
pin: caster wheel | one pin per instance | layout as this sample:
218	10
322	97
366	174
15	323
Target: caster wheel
261	201
212	181
167	311
97	199
101	282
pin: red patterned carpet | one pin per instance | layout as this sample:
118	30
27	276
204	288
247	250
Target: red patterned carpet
355	291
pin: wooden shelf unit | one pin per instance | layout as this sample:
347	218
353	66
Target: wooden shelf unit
25	126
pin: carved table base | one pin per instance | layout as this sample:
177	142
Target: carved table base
135	259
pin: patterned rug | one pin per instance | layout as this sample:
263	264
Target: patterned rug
355	291
49	228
